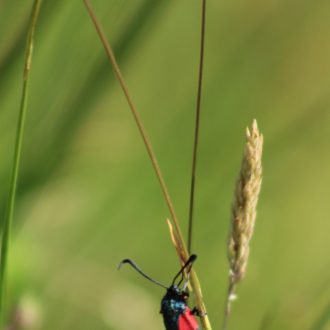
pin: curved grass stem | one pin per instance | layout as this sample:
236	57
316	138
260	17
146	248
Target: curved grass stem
194	280
16	160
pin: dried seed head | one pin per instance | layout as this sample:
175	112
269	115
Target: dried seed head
244	204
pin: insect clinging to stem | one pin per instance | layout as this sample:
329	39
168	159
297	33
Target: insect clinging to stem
176	313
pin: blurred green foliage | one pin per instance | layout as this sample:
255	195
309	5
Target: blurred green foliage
87	194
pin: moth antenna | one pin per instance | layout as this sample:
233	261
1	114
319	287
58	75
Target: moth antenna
198	110
135	266
191	259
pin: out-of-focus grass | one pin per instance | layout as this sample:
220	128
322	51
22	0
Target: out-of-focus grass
88	197
15	168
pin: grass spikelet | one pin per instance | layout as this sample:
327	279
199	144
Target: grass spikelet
244	212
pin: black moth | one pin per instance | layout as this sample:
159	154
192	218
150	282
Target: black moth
176	314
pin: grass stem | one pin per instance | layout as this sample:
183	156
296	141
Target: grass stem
16	160
229	298
194	280
196	134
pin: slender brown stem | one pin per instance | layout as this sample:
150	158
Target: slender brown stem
136	115
197	119
194	280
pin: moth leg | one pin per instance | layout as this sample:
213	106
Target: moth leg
197	312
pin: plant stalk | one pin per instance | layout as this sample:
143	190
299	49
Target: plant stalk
194	280
229	298
196	134
16	160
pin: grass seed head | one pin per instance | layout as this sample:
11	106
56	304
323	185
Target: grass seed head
244	204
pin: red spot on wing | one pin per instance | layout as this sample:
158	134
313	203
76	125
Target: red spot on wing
187	321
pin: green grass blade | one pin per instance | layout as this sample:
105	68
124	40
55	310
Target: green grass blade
323	320
16	159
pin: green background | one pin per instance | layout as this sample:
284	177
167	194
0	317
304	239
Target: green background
88	197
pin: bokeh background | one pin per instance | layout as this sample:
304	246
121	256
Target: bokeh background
88	197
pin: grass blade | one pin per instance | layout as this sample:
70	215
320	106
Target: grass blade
16	160
323	320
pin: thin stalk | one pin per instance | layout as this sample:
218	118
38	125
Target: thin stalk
16	159
197	119
229	298
135	113
152	156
